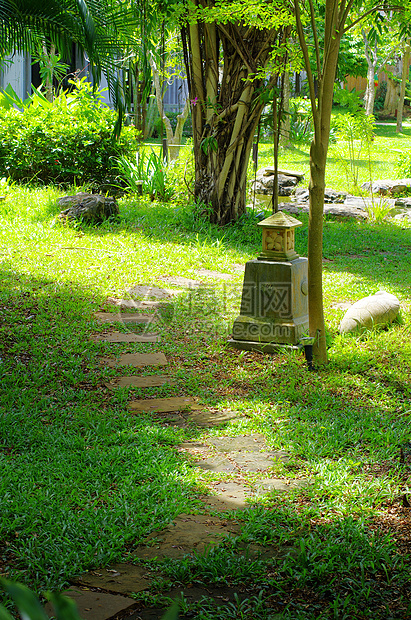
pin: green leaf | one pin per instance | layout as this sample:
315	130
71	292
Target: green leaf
64	607
26	602
4	614
172	612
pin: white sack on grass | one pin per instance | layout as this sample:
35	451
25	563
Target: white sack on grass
378	309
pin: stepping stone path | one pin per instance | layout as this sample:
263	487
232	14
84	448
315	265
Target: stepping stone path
130	303
161	405
105	593
140	382
182	282
135	359
121	337
96	605
123	317
214	274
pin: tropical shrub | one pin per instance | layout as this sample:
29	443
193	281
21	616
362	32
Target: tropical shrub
65	142
404	165
301	128
357	132
350	99
149	171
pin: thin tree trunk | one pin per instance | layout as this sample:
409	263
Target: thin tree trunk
49	75
404	78
173	138
321	109
285	126
372	60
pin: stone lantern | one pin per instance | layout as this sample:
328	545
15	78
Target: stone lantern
274	303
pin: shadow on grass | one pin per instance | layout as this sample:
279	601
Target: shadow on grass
186	226
81	478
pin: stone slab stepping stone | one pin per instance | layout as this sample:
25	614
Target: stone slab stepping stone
254	461
122	337
229	496
176	420
216	463
142	290
119	578
180	281
214	274
96	605
251	443
124	317
132	304
136	359
207	419
277	484
249	451
140	382
186	534
161	405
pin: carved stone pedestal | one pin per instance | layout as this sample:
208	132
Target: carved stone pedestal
274	304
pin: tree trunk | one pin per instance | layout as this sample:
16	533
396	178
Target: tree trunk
393	89
318	157
391	97
372	61
48	64
321	105
369	96
285	126
404	78
226	108
173	138
151	115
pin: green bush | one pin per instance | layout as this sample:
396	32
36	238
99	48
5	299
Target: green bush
350	99
65	142
301	127
403	167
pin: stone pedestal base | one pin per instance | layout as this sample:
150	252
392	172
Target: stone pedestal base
263	347
274	304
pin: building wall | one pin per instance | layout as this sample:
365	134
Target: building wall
17	72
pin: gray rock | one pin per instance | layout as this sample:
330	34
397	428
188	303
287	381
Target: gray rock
404	201
302	194
265	181
406	216
330	195
338	210
388	187
379	309
90	208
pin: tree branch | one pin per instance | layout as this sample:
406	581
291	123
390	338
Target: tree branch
315	35
235	46
306	55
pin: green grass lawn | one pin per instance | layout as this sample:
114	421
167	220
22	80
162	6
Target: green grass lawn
83	481
384	151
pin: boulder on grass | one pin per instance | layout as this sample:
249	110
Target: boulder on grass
389	187
88	208
287	181
379	309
